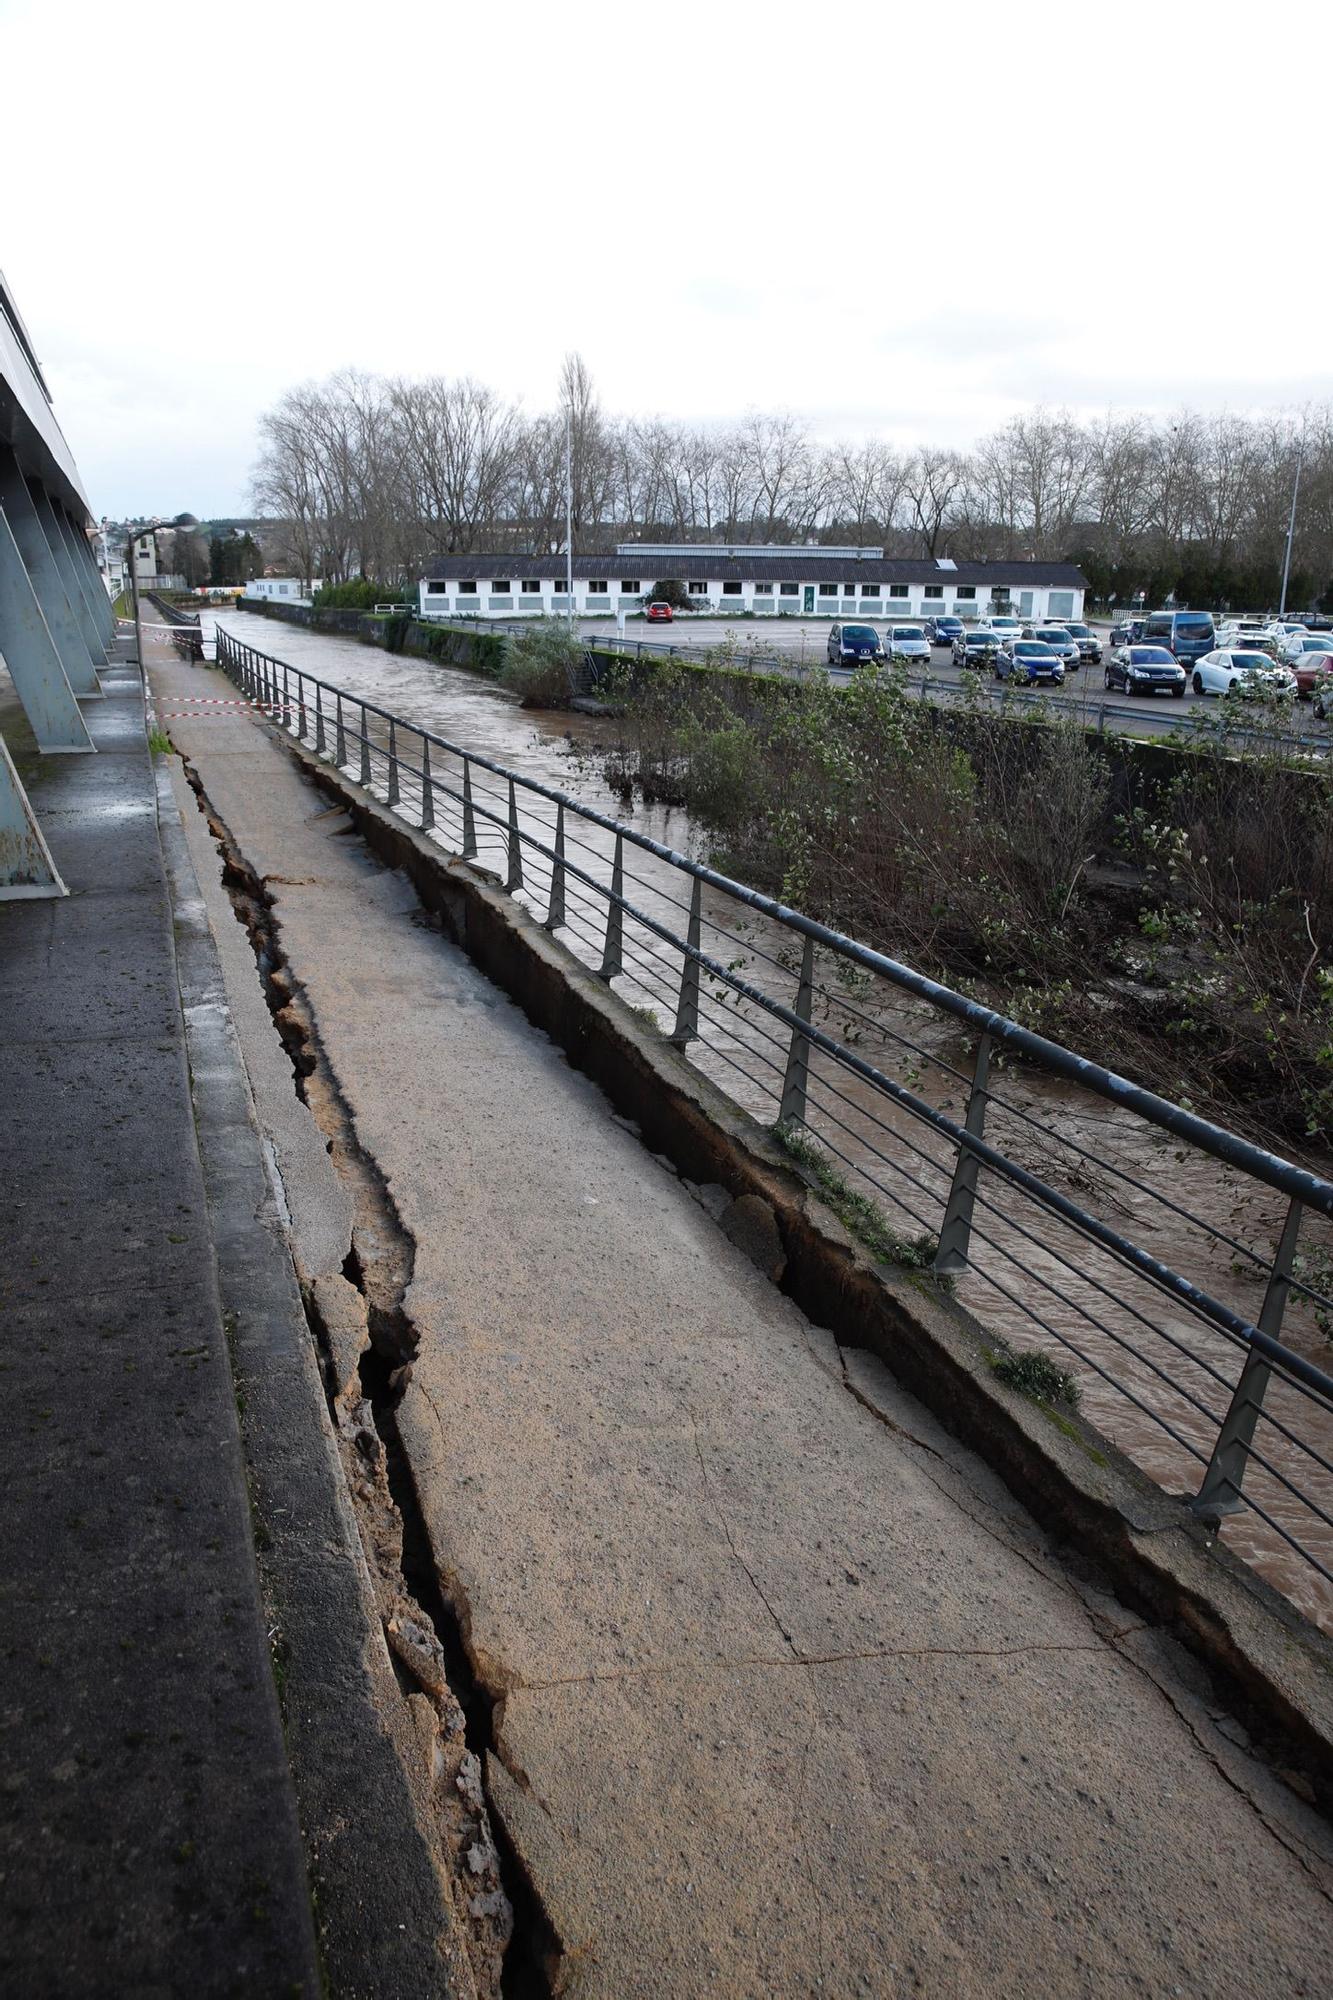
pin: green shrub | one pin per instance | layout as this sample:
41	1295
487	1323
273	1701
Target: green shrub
1034	1374
360	594
543	663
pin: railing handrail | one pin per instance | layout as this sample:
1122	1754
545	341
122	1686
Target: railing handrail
1225	1445
1298	1183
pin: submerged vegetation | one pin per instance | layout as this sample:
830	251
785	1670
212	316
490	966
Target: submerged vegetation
1172	909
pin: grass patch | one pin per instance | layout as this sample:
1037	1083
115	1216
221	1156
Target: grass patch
159	742
1034	1374
859	1215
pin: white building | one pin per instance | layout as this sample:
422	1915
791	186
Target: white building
764	580
281	589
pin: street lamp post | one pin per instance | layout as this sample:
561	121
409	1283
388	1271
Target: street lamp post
569	516
1291	526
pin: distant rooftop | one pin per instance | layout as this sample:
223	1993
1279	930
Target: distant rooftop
745	551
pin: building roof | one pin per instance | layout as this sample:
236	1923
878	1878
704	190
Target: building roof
801	566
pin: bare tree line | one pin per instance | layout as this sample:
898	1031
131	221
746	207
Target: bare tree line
375	476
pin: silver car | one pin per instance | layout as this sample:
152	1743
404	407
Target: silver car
907	642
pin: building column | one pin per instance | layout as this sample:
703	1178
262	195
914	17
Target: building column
86	565
74	590
31	656
46	578
26	867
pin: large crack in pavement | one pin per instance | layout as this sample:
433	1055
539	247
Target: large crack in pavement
366	1344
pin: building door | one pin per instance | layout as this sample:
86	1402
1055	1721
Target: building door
1025	603
809	599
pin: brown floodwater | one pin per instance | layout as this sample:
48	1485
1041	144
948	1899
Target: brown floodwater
1152	1375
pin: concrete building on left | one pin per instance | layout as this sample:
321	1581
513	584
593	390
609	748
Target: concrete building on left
56	623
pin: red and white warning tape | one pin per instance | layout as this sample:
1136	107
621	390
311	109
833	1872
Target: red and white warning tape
203	707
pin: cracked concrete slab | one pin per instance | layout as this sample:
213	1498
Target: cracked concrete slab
791	1696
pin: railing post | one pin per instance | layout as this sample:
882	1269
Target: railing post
286	697
612	965
391	797
300	700
956	1229
514	871
363	774
791	1111
687	1007
427	789
469	817
1220	1492
555	914
319	720
339	733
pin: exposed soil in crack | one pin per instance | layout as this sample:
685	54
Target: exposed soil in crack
366	1344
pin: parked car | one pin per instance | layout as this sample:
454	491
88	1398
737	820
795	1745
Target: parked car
1250	641
1312	663
1008	628
1065	648
908	642
1029	660
977	648
1126	631
1321	695
1144	670
1251	674
855	646
943	631
1089	645
657	610
1241	632
1187	634
1296	643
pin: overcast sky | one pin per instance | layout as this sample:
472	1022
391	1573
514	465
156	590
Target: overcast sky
908	223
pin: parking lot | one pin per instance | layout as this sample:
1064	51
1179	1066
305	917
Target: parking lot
796	644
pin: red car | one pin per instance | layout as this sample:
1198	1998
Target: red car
658	611
1311	670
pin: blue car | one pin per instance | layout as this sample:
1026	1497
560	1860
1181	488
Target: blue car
854	646
1030	661
943	631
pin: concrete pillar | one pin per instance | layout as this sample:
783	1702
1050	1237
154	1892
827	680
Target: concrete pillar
26	867
30	654
45	577
74	590
86	564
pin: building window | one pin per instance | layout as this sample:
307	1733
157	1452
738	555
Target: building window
934	590
698	590
597	586
468	589
731	590
763	590
789	589
531	586
968	590
500	584
828	589
897	590
849	590
436	589
630	586
870	590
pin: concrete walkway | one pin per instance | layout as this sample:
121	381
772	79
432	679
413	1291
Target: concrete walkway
148	1832
790	1695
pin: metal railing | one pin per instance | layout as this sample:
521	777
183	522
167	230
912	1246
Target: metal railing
1046	1190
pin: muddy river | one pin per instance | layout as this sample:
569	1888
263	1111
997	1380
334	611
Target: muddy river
1151	1375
